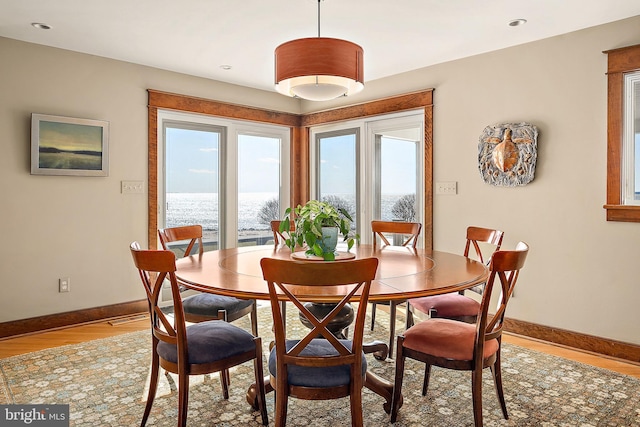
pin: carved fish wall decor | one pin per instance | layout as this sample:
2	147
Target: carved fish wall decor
507	154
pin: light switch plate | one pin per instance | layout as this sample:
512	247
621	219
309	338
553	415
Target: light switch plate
132	187
450	187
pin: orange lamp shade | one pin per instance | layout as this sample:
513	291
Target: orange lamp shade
319	68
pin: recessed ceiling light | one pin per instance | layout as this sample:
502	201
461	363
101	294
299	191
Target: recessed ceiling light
517	22
40	26
226	67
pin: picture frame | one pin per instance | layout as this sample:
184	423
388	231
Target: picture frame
69	146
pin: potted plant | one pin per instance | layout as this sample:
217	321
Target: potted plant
317	225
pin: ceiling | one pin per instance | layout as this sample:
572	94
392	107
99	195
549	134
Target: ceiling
197	37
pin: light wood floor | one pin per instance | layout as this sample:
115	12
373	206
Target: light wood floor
77	334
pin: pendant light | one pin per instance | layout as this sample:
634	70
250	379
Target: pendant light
319	68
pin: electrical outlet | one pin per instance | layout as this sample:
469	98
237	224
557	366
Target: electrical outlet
132	187
450	187
64	284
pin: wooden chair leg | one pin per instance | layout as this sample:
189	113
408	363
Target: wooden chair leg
283	309
392	326
476	394
356	408
259	373
183	396
281	401
153	387
397	385
373	314
409	317
254	319
497	380
224	382
427	376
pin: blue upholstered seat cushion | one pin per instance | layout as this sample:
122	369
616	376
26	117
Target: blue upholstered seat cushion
209	342
209	304
317	377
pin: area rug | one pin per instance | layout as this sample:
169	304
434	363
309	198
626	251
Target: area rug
104	382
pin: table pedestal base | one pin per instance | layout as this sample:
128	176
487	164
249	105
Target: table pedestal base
373	382
338	324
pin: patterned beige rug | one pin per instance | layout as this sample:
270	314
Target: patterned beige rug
104	383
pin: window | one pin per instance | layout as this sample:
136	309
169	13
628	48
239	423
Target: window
228	176
259	187
623	134
299	136
398	171
337	169
631	139
374	177
192	177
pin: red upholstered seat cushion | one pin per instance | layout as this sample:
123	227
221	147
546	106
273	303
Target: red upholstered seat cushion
447	305
446	338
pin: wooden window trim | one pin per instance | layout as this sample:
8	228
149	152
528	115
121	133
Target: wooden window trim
299	126
620	61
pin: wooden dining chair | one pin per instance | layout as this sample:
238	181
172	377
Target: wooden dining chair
278	237
458	306
201	348
203	306
408	232
318	366
464	346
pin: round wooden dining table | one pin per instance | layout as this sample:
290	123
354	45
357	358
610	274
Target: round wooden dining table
403	273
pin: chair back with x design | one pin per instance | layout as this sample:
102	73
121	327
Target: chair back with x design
465	346
203	307
408	233
318	366
278	237
190	233
409	230
202	348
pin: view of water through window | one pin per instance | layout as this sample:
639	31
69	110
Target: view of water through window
202	208
200	165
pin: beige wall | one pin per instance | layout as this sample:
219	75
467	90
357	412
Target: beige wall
80	227
581	274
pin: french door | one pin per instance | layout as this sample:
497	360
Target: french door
372	167
231	177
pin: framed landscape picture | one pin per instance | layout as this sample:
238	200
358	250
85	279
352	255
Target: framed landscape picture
69	146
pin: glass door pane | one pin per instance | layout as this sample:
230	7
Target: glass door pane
258	188
398	179
337	171
192	180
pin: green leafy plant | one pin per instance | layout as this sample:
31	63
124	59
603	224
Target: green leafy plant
309	220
